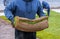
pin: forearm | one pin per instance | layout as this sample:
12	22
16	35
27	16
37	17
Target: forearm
8	13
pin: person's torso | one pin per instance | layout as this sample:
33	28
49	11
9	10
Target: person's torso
26	9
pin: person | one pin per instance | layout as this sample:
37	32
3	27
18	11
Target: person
46	6
27	9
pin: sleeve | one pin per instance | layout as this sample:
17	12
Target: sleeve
4	2
40	10
8	11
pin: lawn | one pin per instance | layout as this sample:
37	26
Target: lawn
53	32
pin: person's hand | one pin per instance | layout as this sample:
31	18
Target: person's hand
12	22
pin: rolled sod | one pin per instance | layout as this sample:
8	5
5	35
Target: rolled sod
28	25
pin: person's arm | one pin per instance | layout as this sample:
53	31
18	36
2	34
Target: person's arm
48	10
40	10
46	6
4	2
41	13
9	11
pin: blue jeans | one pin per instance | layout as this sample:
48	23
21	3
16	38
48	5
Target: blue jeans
24	35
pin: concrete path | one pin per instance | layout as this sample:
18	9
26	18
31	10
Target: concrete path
6	30
2	13
56	10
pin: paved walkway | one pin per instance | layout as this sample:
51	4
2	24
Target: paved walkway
2	13
56	10
6	30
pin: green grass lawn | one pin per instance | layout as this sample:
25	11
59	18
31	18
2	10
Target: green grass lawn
53	32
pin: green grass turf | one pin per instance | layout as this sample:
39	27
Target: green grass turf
3	17
53	32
